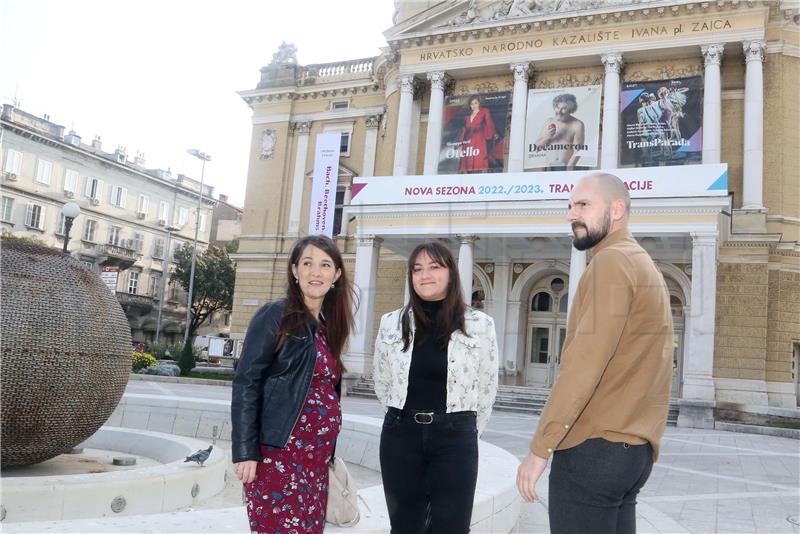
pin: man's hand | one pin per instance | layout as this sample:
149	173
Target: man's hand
246	471
528	474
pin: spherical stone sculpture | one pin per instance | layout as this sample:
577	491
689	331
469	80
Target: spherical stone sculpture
66	353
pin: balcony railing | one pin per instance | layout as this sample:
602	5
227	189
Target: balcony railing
335	72
118	251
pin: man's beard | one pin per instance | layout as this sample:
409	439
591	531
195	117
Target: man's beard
591	238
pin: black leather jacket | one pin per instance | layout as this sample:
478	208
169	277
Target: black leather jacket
269	388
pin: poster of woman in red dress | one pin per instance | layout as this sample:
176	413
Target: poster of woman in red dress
474	133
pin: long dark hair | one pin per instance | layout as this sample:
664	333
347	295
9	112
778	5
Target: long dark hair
336	306
451	317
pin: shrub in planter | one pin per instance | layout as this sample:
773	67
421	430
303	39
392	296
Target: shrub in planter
142	360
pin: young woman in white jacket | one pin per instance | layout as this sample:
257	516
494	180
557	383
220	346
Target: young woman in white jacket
435	371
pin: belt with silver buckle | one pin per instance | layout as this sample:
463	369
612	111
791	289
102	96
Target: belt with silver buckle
423	418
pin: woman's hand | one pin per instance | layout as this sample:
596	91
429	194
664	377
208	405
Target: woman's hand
246	471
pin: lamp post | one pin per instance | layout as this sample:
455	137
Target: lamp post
70	211
203	157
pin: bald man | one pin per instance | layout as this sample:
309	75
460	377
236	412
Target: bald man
606	413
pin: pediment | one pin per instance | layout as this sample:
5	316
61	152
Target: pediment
461	15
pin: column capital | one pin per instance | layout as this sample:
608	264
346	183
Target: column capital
712	53
612	62
301	127
438	79
466	239
754	50
408	84
521	71
703	238
369	240
372	121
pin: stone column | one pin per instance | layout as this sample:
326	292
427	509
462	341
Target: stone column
577	265
515	336
361	344
402	144
752	195
519	103
467	242
697	403
370	145
497	309
302	131
609	151
433	141
712	103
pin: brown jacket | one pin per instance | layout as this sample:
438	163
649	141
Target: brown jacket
616	366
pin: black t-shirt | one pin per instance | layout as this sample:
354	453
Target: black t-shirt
427	377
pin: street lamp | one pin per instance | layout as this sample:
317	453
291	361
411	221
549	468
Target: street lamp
70	211
204	157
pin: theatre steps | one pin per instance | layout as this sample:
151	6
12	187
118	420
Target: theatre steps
509	398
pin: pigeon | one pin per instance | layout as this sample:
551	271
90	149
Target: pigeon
200	456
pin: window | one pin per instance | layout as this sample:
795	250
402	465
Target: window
118	196
155	285
340	105
43	171
133	282
89	230
137	243
174	291
115	236
202	222
183	215
163	212
13	162
70	181
226	319
344	144
7	211
143	205
94	188
541	302
34	216
175	247
158	247
62	225
337	213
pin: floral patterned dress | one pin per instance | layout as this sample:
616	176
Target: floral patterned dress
290	492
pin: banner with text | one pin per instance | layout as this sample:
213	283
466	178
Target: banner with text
562	129
644	182
662	122
323	190
474	133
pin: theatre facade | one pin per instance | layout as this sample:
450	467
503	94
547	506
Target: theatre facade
478	117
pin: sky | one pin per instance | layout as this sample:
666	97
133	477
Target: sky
161	76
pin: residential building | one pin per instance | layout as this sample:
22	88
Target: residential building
132	218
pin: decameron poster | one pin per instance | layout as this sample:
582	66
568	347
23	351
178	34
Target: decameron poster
662	122
474	133
562	130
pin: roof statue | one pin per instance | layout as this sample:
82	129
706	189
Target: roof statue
286	54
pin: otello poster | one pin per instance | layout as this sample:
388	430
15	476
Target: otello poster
474	133
662	122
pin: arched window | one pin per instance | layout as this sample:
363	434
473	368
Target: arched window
562	304
541	302
676	305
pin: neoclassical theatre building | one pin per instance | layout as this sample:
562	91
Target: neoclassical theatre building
474	122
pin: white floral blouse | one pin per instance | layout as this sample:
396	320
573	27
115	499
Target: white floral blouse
472	365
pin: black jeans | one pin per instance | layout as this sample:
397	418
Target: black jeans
593	487
429	471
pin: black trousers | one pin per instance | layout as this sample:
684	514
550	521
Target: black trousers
429	471
593	487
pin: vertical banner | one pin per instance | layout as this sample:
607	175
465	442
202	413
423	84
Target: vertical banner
474	133
662	122
323	190
562	128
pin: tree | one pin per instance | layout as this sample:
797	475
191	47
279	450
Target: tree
186	359
214	277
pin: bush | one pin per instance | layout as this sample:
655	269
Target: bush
186	361
160	350
142	360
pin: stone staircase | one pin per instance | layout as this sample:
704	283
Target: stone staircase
518	399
